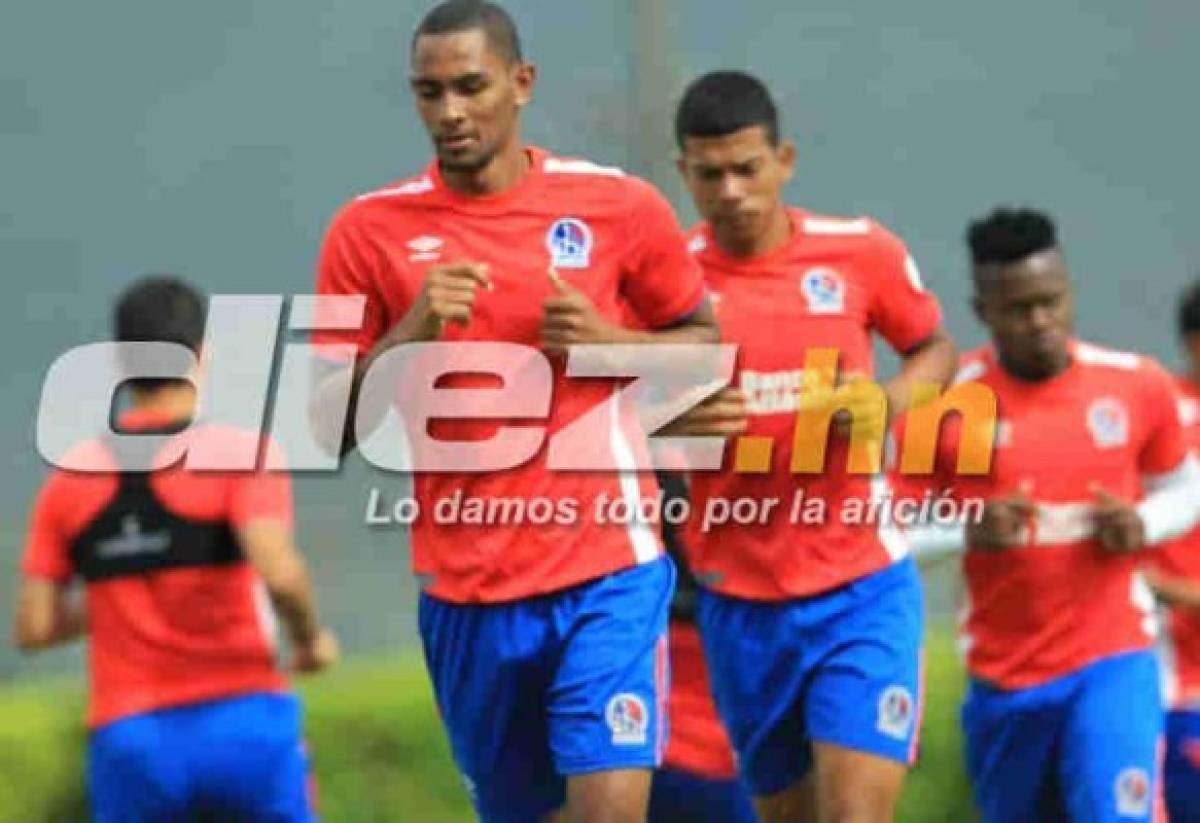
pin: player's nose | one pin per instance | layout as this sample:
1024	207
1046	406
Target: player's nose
731	189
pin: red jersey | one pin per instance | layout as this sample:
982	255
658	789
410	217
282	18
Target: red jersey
832	284
174	636
1181	558
613	237
1045	609
698	743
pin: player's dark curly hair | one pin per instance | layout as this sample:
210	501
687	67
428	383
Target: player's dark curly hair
455	16
1008	235
724	102
160	309
1189	310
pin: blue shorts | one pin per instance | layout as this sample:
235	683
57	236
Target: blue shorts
679	796
1083	747
1182	766
240	759
538	690
843	667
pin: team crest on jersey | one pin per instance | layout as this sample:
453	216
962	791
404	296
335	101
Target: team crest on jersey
628	719
1108	421
896	710
824	290
569	242
1133	793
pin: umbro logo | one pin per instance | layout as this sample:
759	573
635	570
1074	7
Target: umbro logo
425	247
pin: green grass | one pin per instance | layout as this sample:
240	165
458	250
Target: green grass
379	752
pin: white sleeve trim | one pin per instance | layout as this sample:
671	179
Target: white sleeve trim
932	541
1172	505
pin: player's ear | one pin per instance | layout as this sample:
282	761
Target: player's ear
786	154
524	78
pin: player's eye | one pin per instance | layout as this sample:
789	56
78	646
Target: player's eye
470	85
427	91
747	169
710	175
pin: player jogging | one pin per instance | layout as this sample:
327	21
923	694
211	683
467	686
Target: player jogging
188	714
1174	574
813	631
546	644
698	781
1063	717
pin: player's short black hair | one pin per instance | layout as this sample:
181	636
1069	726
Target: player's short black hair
160	309
724	102
455	16
1008	235
1189	310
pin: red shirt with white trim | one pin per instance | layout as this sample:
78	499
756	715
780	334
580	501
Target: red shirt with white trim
612	236
176	636
1050	607
1181	558
829	287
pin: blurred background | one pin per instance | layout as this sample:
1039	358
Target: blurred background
216	140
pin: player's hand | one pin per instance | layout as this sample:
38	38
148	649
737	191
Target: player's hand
321	653
1119	527
859	408
722	415
1004	521
447	296
569	318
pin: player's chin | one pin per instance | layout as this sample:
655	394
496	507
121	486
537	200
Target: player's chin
463	161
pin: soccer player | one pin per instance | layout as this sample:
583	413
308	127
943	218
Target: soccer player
189	714
1174	574
1063	717
812	631
698	781
546	644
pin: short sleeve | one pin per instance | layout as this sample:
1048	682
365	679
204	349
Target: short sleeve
662	280
902	310
347	266
1165	444
47	546
262	494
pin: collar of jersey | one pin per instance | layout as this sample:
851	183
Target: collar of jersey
760	264
499	202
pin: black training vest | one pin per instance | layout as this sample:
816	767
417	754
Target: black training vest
135	534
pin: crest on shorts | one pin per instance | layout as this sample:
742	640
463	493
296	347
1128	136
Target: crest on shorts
824	290
1133	793
1108	421
569	242
896	710
628	718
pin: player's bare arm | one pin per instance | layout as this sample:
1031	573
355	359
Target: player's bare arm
931	361
46	615
1173	590
569	318
446	297
270	549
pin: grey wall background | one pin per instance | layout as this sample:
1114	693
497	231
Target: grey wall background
215	140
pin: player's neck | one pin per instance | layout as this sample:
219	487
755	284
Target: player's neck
1027	374
173	402
777	234
505	170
